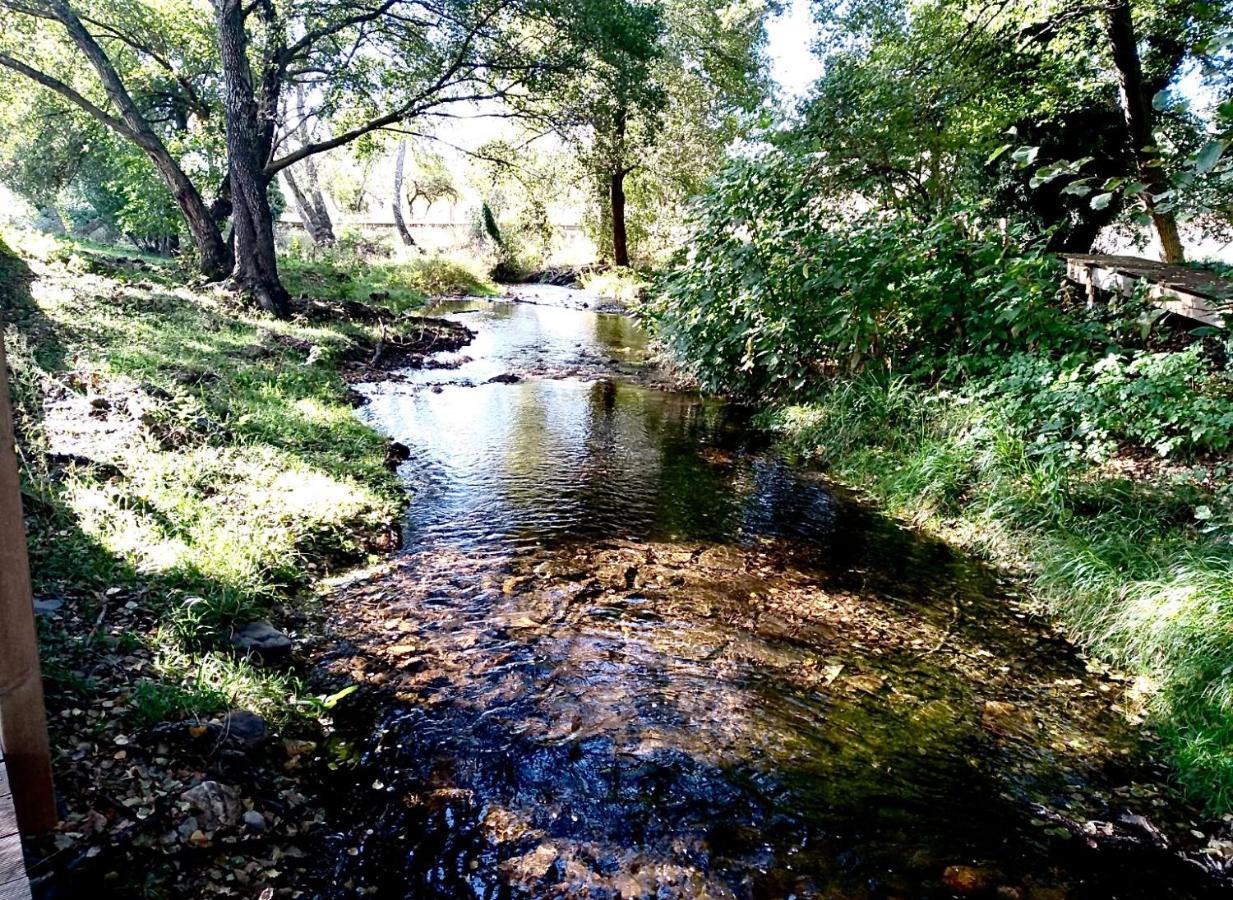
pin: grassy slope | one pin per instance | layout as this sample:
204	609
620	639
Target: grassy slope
1115	553
231	470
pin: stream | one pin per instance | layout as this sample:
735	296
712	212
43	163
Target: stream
630	649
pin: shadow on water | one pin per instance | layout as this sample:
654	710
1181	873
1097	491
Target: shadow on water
630	651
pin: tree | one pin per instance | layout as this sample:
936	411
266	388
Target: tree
116	109
366	64
400	159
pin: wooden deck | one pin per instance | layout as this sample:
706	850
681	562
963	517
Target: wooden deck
13	883
1202	296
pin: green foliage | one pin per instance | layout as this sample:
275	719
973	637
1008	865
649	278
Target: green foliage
774	293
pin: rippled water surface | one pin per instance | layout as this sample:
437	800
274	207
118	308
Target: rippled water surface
630	651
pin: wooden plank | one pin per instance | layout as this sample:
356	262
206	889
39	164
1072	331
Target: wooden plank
1202	296
13	883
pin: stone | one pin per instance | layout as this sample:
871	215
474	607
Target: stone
396	453
217	805
504	378
245	730
966	879
46	606
261	638
254	821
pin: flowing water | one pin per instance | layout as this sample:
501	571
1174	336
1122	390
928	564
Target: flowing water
630	650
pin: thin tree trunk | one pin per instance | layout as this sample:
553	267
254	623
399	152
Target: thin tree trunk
316	219
316	200
214	257
399	222
620	239
256	262
1137	110
311	200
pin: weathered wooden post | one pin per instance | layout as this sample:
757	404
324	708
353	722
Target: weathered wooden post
23	721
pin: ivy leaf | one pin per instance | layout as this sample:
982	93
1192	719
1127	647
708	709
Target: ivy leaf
1102	201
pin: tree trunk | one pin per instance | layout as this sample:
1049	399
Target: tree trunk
256	262
314	215
316	201
212	250
620	240
403	231
1137	110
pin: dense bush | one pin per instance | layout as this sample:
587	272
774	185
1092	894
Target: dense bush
780	294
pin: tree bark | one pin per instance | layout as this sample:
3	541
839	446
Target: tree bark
212	250
313	213
1137	110
403	231
620	239
256	262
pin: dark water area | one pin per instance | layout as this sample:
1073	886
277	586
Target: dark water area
630	650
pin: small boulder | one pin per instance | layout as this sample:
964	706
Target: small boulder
217	805
254	821
244	730
261	638
47	606
504	378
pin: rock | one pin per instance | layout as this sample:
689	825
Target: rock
46	606
254	821
217	805
261	638
244	730
504	378
966	879
396	453
1004	718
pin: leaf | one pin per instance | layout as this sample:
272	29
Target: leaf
1025	156
1160	100
997	154
1102	201
1077	189
1205	160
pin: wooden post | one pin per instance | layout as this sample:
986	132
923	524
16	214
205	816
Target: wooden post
23	721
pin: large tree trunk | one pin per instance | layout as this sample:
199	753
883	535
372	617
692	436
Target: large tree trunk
620	239
399	160
1137	109
256	263
213	254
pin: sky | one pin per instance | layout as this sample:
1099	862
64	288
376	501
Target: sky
790	37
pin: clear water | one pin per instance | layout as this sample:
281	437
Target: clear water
631	651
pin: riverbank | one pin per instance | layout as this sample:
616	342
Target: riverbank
191	468
1129	555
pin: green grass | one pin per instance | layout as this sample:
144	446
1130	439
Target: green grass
1136	563
237	473
341	275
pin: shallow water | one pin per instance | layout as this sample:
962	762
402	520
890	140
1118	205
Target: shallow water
630	650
